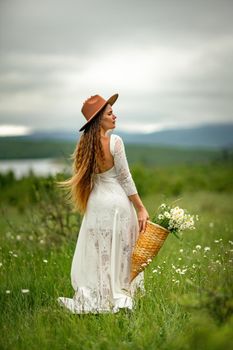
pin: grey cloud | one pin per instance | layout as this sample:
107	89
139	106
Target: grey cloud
43	44
83	27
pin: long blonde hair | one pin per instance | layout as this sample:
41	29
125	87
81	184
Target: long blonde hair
87	153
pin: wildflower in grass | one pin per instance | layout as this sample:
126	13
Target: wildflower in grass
198	246
181	272
181	250
193	266
45	261
206	249
216	241
160	217
176	281
230	242
18	237
155	270
25	291
179	258
8	291
41	241
15	255
194	251
162	206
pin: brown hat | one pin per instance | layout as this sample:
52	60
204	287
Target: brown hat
93	105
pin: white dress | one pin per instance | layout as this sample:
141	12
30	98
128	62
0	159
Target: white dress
100	271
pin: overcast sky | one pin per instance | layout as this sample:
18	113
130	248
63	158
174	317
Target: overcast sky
170	62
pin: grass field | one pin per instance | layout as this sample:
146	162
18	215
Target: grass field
189	297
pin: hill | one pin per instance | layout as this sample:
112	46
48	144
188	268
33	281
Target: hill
204	136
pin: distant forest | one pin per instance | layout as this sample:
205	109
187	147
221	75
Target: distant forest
149	155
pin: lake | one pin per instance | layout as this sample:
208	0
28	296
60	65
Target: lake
41	167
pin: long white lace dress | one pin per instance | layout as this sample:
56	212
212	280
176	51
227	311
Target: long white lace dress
100	271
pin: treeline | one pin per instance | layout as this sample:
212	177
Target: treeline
11	148
148	155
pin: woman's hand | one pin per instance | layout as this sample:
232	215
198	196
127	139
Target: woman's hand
141	211
143	216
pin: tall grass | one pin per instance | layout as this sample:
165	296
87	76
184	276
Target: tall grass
188	302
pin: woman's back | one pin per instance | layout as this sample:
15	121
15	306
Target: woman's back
109	160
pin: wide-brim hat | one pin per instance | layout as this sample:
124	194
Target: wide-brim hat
93	105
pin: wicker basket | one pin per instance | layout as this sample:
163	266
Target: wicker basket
147	247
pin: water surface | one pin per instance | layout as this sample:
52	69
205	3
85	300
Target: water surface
41	167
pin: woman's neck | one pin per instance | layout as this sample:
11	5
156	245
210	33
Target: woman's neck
104	134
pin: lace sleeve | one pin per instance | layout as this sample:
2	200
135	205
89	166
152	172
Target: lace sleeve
122	168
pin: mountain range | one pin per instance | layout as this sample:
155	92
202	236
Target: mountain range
204	136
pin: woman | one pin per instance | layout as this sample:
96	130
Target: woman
103	190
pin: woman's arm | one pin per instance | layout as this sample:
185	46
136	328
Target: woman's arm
136	201
142	213
125	179
122	168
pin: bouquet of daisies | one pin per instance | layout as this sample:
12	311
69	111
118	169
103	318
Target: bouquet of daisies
175	219
167	220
